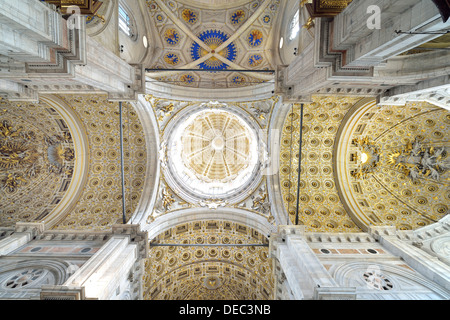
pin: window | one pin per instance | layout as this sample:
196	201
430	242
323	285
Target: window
125	23
295	25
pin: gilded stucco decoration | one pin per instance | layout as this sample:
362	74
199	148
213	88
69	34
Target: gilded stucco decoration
166	201
213	268
215	148
100	204
369	157
410	186
98	21
227	37
259	203
36	161
320	208
417	160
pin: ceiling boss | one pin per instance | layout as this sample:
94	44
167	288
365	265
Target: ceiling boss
213	39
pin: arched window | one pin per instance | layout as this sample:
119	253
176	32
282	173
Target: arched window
126	24
295	25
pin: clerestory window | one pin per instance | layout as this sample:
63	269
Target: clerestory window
125	22
295	25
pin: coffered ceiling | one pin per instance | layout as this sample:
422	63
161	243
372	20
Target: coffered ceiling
60	162
397	165
365	164
216	261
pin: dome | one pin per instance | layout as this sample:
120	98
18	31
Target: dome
212	154
216	146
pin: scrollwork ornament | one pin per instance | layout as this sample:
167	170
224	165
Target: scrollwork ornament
212	204
441	246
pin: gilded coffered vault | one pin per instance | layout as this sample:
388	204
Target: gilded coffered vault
395	160
397	165
211	265
100	204
224	150
37	159
320	207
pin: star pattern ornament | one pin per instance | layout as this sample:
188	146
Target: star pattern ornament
213	41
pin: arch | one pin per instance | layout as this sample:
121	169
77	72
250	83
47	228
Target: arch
61	151
215	4
215	258
169	91
277	121
174	218
80	171
341	143
399	280
60	270
151	133
95	26
380	160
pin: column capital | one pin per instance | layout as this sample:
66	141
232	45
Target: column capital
136	236
35	228
292	230
382	231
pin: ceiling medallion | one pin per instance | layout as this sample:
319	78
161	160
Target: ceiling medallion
213	39
213	155
171	59
189	16
237	17
238	80
255	38
255	60
187	79
171	36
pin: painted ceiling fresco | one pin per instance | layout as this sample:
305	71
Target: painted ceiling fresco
194	38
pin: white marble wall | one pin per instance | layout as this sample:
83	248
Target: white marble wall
40	53
76	265
349	58
382	264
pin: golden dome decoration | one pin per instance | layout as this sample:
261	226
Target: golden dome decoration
216	147
213	152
